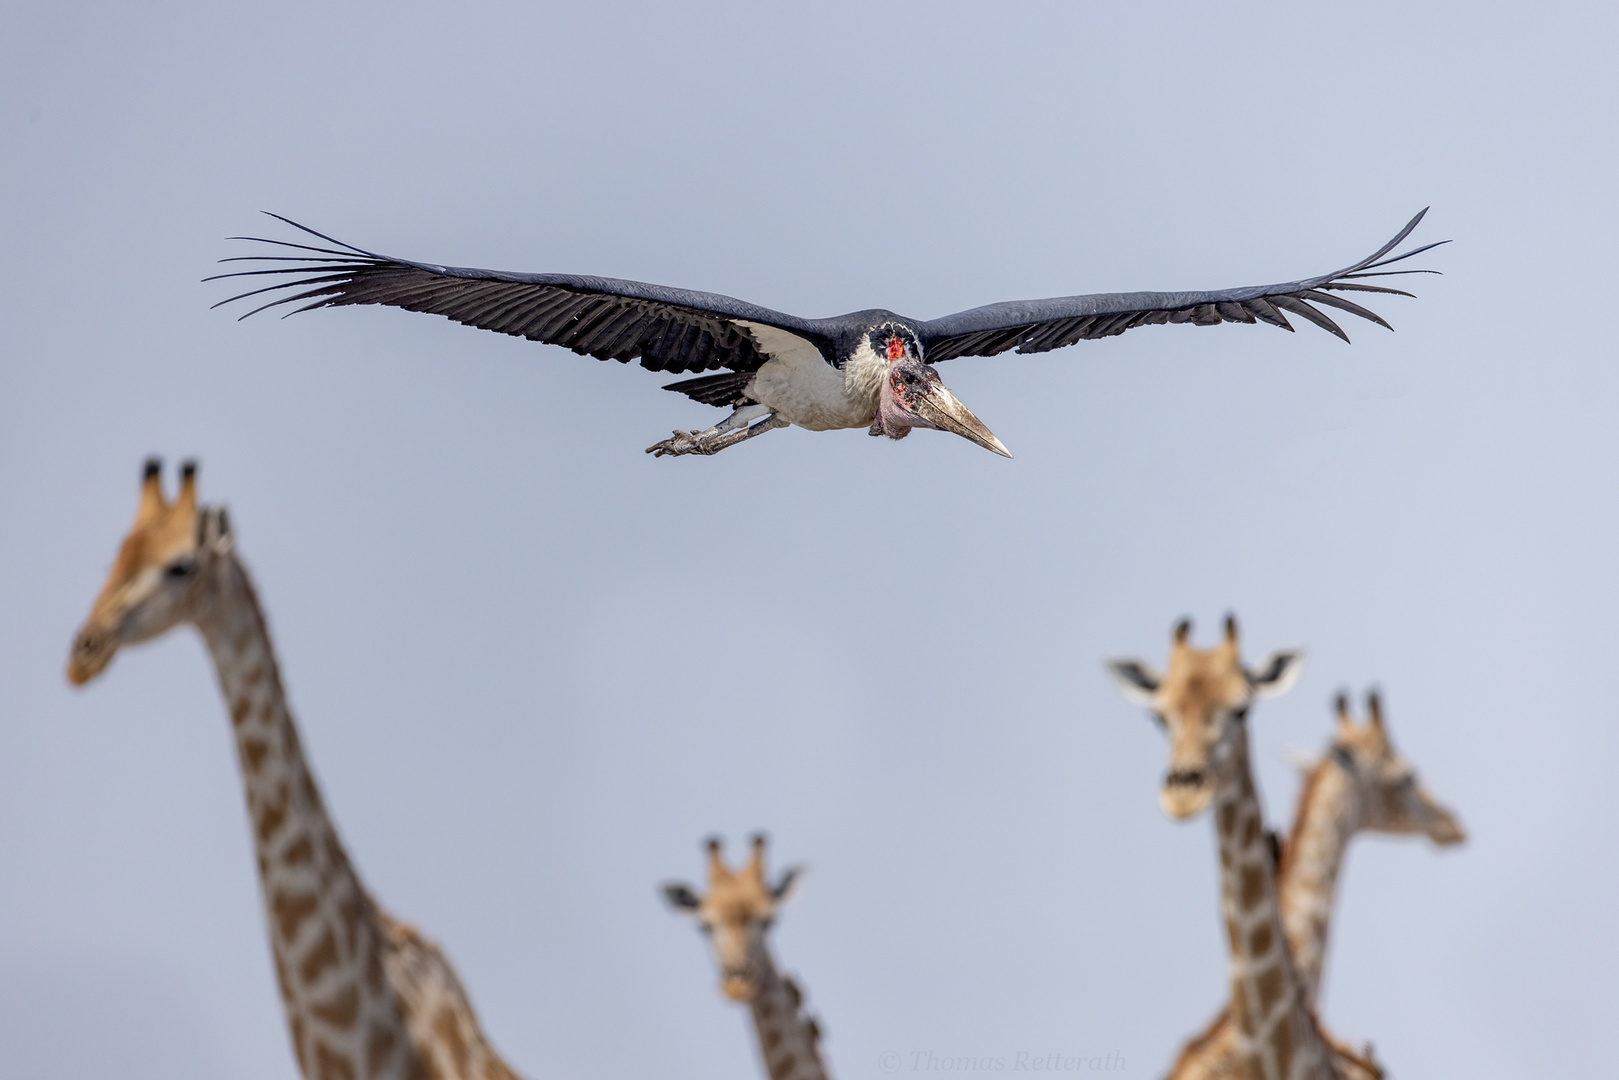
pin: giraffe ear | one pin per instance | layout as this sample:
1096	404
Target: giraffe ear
1137	681
213	530
680	897
1278	673
792	879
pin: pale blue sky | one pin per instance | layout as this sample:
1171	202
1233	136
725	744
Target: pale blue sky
534	667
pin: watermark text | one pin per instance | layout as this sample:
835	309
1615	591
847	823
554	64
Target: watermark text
1024	1061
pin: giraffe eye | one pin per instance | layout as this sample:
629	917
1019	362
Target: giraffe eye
181	568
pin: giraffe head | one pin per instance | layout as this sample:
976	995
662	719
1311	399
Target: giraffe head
153	585
1201	701
1393	799
736	913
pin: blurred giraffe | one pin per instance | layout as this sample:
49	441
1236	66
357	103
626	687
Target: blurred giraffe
1361	784
1202	702
737	914
366	996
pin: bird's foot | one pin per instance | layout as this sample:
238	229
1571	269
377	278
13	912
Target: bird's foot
716	438
686	442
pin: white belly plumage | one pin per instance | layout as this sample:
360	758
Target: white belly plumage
799	386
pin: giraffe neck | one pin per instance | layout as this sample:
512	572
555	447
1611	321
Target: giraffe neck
788	1037
326	936
1330	806
1276	1032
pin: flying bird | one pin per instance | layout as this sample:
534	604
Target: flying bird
871	369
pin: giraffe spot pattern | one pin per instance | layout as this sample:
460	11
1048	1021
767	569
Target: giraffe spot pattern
375	975
1252	888
341	1010
330	1065
319	958
1282	1042
1259	942
379	1048
273	814
290	911
299	852
253	753
1240	1011
1269	985
448	1029
351	912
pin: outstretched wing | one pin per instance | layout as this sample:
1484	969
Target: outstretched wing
1032	326
673	330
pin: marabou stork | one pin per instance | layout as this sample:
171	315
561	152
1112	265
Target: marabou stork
869	369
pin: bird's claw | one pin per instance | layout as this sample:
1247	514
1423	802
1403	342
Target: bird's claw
717	438
682	442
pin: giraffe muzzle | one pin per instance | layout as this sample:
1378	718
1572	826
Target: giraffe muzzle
737	985
1447	831
91	651
1186	792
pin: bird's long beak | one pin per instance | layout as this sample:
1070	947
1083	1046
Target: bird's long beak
942	410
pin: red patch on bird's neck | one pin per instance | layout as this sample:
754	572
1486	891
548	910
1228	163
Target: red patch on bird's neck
896	349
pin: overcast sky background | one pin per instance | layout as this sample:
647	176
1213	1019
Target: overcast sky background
535	667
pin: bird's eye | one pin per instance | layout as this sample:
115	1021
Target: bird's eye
180	568
909	377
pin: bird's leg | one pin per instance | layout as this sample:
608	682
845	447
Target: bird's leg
738	427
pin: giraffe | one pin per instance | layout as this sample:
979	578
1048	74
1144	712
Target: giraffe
366	996
1361	784
737	914
1202	702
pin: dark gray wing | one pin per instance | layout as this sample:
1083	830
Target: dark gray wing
673	330
1032	326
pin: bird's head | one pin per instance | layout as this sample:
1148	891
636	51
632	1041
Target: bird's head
912	395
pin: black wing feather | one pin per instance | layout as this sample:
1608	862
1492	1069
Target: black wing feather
1032	326
673	330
